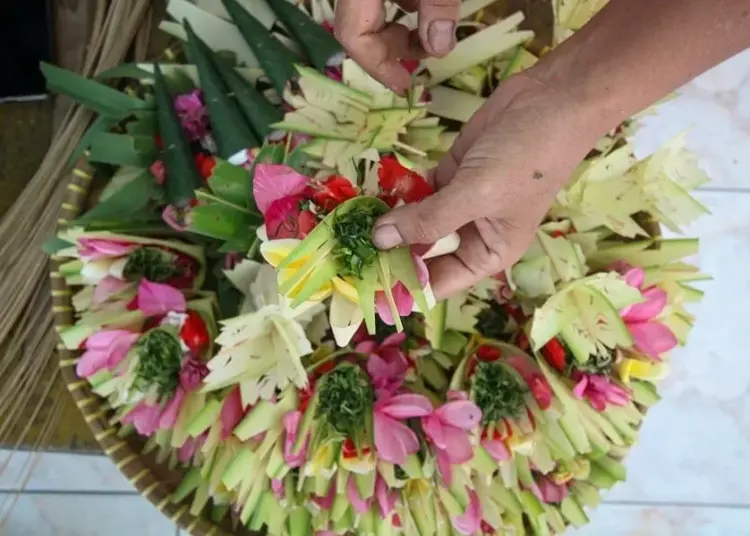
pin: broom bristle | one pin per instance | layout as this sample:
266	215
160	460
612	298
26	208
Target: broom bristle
32	393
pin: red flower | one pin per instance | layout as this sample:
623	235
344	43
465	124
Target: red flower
332	192
398	183
349	450
205	164
410	65
187	269
158	171
286	219
555	354
194	332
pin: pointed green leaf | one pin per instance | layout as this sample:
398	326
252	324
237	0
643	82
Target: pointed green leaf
318	43
123	150
230	183
229	129
321	274
140	195
276	59
101	124
90	93
218	221
179	163
366	293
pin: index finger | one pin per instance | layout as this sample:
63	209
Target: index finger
361	28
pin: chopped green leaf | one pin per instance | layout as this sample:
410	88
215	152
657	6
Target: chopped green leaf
123	150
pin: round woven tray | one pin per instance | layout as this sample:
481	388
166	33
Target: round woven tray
152	479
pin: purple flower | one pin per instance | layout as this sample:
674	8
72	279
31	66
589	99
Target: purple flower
192	114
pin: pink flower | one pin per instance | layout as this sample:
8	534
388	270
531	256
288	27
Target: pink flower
448	430
292	421
548	491
277	486
148	418
155	299
471	521
192	373
496	448
105	350
186	452
192	114
158	170
359	505
394	441
650	336
403	300
276	181
598	390
108	287
386	497
91	249
326	503
387	365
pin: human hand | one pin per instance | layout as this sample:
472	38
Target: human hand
361	28
497	182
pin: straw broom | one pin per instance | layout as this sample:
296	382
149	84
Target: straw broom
27	337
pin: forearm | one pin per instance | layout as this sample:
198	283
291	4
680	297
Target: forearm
634	52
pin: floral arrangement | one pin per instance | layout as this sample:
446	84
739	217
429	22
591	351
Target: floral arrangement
232	309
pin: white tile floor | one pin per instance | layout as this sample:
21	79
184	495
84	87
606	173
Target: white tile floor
688	477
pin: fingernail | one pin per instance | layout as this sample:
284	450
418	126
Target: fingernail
386	237
442	34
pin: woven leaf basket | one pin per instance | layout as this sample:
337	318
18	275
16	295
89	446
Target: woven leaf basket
154	480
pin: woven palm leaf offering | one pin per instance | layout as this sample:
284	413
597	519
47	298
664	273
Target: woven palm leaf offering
267	368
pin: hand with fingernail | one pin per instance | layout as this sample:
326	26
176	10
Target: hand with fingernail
522	146
378	46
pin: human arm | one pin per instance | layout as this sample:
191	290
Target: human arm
515	154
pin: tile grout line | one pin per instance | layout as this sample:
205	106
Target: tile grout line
64	492
677	504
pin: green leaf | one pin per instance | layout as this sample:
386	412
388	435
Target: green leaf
101	124
139	195
90	93
231	132
260	113
123	150
126	70
182	176
146	123
275	58
230	183
297	160
219	221
55	244
319	44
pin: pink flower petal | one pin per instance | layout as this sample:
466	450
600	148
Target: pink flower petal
496	449
550	492
457	445
108	287
386	498
423	274
186	452
470	522
656	300
231	413
359	505
366	347
445	467
635	277
277	486
393	440
91	362
394	340
326	502
462	414
401	297
159	299
144	418
580	388
97	248
291	426
652	338
435	430
276	181
172	410
407	406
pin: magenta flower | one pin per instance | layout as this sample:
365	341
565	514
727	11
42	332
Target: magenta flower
148	418
359	505
156	299
394	441
186	452
650	336
192	373
276	181
232	413
105	350
386	497
547	491
91	249
470	521
599	390
496	448
448	429
387	364
192	113
401	296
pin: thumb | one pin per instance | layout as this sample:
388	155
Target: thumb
437	25
429	220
